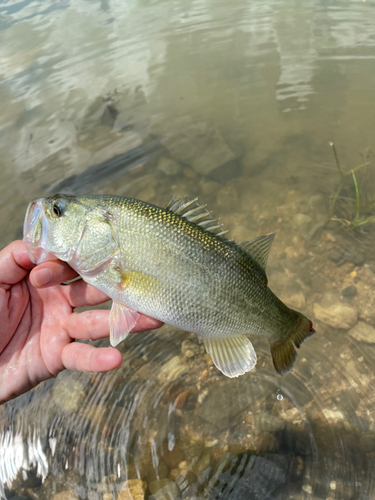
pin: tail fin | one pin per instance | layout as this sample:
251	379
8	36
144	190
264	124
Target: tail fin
284	353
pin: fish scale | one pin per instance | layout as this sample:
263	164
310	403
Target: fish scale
173	264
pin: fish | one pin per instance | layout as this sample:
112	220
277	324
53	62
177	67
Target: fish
174	264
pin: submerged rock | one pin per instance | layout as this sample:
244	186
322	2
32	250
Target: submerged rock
134	489
363	332
349	291
227	401
269	423
173	369
296	301
216	154
252	477
302	220
65	495
164	489
169	166
68	394
189	349
337	315
197	143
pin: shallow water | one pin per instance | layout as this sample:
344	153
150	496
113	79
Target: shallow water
235	104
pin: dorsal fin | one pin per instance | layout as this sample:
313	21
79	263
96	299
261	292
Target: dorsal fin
259	248
193	212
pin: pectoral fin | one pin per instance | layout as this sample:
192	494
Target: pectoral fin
121	320
233	356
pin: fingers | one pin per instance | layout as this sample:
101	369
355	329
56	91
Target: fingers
87	358
88	325
146	323
94	325
80	294
14	263
51	273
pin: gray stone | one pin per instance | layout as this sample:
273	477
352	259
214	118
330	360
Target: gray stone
202	465
363	332
336	315
313	231
269	423
216	154
227	400
316	202
349	291
164	489
253	477
337	255
169	166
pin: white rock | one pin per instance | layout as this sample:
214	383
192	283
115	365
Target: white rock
363	332
296	301
173	369
302	220
337	315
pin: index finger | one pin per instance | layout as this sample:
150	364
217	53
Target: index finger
14	263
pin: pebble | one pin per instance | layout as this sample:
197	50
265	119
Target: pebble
337	256
182	398
203	464
269	423
296	301
363	332
68	394
189	349
169	166
65	495
302	220
163	489
210	443
349	291
337	315
173	369
133	489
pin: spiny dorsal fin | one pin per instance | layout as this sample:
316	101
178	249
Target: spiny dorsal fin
259	248
193	212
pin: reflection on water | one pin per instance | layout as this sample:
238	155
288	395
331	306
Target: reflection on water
235	104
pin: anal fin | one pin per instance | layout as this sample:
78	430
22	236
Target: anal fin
233	356
121	320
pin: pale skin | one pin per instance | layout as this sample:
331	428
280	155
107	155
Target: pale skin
38	325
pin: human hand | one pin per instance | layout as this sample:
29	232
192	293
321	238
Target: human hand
38	326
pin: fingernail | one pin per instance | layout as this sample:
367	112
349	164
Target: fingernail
42	276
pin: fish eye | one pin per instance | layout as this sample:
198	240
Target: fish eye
57	209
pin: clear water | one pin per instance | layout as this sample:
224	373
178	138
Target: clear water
235	102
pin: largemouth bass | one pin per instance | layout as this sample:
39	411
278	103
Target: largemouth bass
173	264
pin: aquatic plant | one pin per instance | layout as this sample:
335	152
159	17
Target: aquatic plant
358	207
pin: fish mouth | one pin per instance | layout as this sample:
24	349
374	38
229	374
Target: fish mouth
35	233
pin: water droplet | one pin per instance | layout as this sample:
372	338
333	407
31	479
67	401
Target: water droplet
280	397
